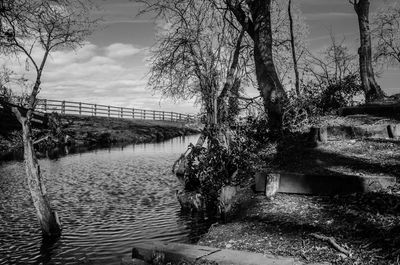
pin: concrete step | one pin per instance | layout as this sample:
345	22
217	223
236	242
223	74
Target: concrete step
318	184
177	252
342	132
389	110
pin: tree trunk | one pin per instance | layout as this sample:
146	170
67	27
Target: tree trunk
292	43
371	88
47	217
269	85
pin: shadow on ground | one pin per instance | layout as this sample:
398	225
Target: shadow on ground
367	224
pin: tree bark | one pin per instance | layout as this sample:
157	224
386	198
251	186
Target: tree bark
47	217
292	43
259	29
371	88
269	84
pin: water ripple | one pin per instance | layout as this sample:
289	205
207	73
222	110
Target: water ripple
107	199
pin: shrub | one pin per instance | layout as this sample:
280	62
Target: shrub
340	94
252	148
328	97
208	169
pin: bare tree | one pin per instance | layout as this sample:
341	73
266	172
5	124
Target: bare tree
371	88
41	26
386	35
197	55
282	42
332	64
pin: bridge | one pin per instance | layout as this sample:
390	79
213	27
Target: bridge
87	109
47	106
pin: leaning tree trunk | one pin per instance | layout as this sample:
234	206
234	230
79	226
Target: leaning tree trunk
371	88
269	85
47	217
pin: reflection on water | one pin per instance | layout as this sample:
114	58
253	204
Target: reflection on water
108	200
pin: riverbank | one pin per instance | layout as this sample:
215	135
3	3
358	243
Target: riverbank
359	228
100	131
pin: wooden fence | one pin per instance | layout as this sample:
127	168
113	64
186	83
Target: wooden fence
86	109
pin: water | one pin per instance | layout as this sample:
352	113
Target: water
107	200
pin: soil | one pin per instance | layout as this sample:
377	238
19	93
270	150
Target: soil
367	225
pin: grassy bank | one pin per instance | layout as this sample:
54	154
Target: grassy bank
99	130
95	131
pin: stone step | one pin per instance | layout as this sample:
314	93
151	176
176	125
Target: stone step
319	184
342	132
388	110
177	252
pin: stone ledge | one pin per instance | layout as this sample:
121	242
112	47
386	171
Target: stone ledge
177	252
319	184
342	132
390	109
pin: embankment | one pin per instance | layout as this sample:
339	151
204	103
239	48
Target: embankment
93	131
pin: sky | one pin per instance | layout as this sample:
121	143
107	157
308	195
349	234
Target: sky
111	67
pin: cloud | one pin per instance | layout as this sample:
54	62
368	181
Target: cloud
328	15
66	57
120	50
98	75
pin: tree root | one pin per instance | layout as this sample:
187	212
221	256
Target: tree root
332	241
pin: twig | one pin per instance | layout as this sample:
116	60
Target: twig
41	139
332	241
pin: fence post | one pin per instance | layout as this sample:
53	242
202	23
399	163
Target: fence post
133	113
180	116
95	109
172	116
163	115
144	114
45	105
63	107
122	112
80	108
108	111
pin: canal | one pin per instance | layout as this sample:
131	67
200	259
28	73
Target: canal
107	200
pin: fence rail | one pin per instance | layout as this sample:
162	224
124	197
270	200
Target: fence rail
87	109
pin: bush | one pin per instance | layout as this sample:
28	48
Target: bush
340	94
332	95
5	94
208	169
318	99
253	149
